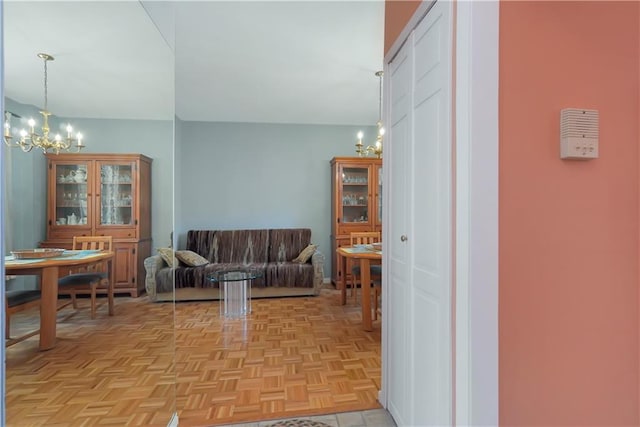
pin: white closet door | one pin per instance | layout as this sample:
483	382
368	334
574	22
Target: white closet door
420	234
431	242
397	159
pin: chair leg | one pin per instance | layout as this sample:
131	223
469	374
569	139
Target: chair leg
110	298
74	302
94	287
376	296
375	304
354	284
354	287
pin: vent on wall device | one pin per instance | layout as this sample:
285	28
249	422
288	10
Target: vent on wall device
579	134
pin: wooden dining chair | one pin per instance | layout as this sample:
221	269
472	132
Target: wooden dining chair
89	282
362	238
16	301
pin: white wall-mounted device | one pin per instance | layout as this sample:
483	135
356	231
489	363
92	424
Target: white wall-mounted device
579	130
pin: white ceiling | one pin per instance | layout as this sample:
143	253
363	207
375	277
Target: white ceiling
265	61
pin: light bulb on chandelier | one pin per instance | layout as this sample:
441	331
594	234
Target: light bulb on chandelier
377	147
30	139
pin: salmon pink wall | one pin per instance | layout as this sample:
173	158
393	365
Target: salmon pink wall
568	290
569	230
396	16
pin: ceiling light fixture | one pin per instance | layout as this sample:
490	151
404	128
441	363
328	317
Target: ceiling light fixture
377	147
29	140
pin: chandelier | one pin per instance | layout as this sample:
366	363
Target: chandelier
30	139
377	147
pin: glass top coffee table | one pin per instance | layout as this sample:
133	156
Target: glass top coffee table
235	290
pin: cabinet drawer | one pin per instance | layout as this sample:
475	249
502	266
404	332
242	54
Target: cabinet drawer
67	232
348	228
117	232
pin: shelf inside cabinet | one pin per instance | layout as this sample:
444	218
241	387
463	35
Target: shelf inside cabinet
71	205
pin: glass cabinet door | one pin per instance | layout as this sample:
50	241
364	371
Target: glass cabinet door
116	194
355	195
71	195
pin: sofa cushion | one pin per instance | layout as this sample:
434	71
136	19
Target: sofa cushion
286	244
201	242
189	277
168	255
191	258
240	246
290	274
306	254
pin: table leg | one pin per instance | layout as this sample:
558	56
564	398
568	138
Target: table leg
111	290
343	279
48	307
365	275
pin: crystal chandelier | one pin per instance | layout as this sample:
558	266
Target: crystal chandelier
377	147
30	139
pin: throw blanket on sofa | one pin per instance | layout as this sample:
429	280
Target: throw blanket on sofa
268	250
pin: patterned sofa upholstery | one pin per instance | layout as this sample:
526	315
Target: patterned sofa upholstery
268	250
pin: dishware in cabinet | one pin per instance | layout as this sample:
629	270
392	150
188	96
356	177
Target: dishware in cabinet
70	196
116	199
103	194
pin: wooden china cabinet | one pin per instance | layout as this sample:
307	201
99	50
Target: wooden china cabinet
356	202
103	195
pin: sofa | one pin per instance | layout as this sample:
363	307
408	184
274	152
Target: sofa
272	251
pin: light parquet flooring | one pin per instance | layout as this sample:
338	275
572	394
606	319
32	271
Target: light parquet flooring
290	357
109	371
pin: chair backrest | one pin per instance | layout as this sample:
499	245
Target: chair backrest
364	237
101	243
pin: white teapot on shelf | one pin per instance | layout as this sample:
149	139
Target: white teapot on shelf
79	175
72	220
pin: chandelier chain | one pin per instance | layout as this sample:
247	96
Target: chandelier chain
46	98
379	73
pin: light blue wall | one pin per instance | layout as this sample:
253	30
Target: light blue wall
251	175
27	197
177	178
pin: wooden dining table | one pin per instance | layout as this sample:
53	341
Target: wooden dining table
364	257
49	270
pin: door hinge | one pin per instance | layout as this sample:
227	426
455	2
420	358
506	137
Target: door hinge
50	166
133	280
135	222
133	251
49	222
338	220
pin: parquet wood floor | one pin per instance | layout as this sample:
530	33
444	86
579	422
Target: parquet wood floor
290	357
